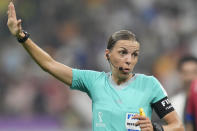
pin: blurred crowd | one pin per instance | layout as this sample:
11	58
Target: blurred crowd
75	33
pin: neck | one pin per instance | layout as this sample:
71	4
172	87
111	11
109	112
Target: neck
121	79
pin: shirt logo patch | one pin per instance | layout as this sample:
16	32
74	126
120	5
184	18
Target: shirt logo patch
100	114
130	123
100	119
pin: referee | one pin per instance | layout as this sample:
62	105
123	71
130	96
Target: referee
116	96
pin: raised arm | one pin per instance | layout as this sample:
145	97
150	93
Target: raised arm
44	60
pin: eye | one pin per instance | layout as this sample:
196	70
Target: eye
135	54
123	52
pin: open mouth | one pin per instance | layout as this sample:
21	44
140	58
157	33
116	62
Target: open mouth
126	70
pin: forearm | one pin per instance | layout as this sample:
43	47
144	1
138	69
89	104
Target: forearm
173	127
47	63
173	122
41	57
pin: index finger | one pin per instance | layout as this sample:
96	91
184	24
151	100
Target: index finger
11	10
139	117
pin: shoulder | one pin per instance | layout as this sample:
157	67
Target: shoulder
152	82
84	79
147	78
88	73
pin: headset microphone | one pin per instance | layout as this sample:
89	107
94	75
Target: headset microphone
119	68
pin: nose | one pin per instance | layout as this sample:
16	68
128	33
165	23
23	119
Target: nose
128	59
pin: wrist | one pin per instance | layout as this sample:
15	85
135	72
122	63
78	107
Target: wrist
22	37
157	127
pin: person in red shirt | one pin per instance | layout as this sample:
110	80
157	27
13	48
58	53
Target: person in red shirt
191	109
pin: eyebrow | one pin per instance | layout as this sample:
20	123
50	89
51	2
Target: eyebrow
127	49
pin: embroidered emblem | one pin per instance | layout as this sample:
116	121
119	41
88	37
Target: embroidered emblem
100	119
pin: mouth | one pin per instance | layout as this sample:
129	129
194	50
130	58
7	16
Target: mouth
126	70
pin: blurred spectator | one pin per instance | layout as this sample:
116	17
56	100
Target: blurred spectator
191	109
176	83
16	102
187	67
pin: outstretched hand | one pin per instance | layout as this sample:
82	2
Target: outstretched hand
13	24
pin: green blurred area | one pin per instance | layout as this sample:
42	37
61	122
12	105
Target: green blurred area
27	9
3	6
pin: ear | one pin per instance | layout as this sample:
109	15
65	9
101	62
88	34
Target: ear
107	54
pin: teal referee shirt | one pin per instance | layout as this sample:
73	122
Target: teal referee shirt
113	104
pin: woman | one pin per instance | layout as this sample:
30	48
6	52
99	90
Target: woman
116	96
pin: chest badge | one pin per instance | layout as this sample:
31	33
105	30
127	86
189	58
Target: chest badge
130	123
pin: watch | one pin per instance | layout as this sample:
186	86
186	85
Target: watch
23	39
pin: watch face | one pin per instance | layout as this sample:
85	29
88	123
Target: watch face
22	40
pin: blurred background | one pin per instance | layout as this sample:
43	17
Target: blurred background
75	32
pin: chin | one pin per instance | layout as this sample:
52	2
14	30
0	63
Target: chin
124	75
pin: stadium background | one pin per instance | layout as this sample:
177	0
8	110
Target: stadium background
75	33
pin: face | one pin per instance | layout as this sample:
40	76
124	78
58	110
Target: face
188	72
124	54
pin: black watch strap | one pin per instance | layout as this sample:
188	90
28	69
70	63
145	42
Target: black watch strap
157	127
22	40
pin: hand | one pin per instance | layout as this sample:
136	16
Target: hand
144	123
13	24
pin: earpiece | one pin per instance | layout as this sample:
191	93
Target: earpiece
107	55
119	68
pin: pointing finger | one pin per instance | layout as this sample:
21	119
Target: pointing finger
12	10
139	117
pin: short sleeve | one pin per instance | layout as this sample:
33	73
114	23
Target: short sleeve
83	79
160	102
158	91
